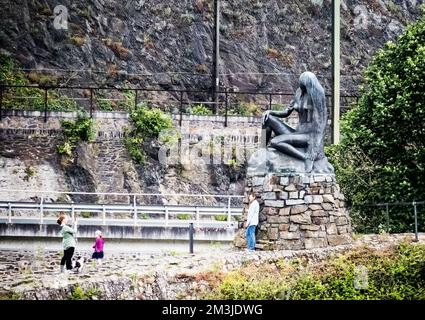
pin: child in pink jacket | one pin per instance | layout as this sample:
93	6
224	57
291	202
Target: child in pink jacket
98	247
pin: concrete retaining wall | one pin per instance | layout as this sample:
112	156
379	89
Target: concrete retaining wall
119	232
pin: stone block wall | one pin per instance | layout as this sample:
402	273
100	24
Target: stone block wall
297	211
29	144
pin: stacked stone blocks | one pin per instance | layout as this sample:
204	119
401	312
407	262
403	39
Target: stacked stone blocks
298	211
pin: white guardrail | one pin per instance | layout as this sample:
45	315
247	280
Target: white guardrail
164	215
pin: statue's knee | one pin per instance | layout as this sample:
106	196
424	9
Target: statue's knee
271	118
274	142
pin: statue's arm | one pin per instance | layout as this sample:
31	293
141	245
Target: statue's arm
284	113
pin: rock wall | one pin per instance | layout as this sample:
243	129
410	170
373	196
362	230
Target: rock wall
264	45
29	159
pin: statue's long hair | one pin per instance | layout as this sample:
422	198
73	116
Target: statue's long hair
319	114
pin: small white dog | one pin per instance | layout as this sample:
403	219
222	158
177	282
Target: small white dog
78	264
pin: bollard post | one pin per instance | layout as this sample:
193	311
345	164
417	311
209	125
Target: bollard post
191	237
416	221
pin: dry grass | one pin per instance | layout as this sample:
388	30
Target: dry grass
42	79
199	5
272	53
78	41
212	278
286	59
201	68
118	48
112	70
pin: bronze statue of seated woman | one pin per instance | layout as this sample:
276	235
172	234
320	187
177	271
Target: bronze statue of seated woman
306	141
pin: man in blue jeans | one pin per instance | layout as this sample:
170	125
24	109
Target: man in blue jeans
252	220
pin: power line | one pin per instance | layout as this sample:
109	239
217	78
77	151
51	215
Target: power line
101	71
179	72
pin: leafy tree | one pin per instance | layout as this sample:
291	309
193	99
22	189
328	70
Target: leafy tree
381	156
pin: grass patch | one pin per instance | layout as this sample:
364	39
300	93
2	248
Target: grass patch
29	173
86	214
79	294
11	296
221	217
184	216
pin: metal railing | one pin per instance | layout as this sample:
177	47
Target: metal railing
181	96
390	217
153	215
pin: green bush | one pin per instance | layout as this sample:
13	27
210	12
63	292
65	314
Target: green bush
127	101
144	216
221	217
245	110
13	97
79	294
381	155
73	131
147	124
184	216
86	214
200	110
150	122
134	148
103	103
241	287
233	163
361	274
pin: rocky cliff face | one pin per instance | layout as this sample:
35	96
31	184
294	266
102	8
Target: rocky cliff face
265	45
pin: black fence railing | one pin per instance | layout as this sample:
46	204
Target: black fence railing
175	101
395	217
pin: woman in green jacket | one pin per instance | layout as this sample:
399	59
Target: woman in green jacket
68	241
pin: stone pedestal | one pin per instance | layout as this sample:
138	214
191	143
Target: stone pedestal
297	211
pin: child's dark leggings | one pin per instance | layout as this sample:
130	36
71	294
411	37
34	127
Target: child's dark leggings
67	256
